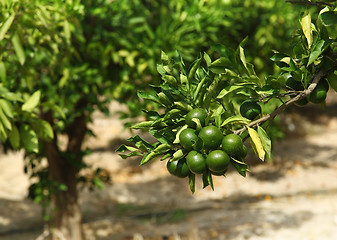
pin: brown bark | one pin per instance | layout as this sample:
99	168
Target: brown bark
67	214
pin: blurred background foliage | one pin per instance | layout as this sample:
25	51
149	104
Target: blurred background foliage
135	32
80	50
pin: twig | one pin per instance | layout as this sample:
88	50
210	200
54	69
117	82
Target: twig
310	3
278	110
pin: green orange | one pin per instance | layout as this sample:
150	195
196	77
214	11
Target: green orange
217	161
196	162
188	138
319	94
178	168
211	137
250	109
232	145
198	113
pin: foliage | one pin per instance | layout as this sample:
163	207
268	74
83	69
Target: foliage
141	29
221	85
49	79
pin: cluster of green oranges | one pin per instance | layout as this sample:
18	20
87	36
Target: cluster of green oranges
207	149
317	96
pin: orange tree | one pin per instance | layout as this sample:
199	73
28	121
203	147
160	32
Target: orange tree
210	107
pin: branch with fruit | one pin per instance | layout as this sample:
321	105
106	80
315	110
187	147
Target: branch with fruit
201	115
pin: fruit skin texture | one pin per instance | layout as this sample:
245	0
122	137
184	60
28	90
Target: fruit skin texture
196	162
217	161
198	113
178	168
318	95
211	137
187	138
232	145
250	109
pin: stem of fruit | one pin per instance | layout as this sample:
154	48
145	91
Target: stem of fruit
278	110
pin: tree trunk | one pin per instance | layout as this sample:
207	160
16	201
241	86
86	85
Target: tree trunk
67	218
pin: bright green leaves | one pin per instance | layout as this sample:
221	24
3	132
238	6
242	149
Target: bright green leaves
12	113
260	142
14	138
3	74
307	27
29	139
31	102
6	25
256	143
18	48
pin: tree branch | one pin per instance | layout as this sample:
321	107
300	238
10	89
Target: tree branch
277	111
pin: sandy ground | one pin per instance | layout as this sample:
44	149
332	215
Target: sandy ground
293	197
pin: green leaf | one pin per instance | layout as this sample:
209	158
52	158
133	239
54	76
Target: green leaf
179	154
170	80
184	82
14	137
193	70
164	56
191	181
144	124
98	183
176	141
132	154
64	78
235	120
266	142
58	110
231	89
183	106
240	167
220	65
43	129
148	157
208	60
67	32
164	100
32	102
172	114
256	143
243	58
3	133
6	25
161	70
307	27
124	148
162	148
141	144
316	51
4	120
2	72
149	96
29	138
329	18
207	180
18	48
6	107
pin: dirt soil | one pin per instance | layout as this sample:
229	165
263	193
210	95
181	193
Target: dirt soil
293	197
